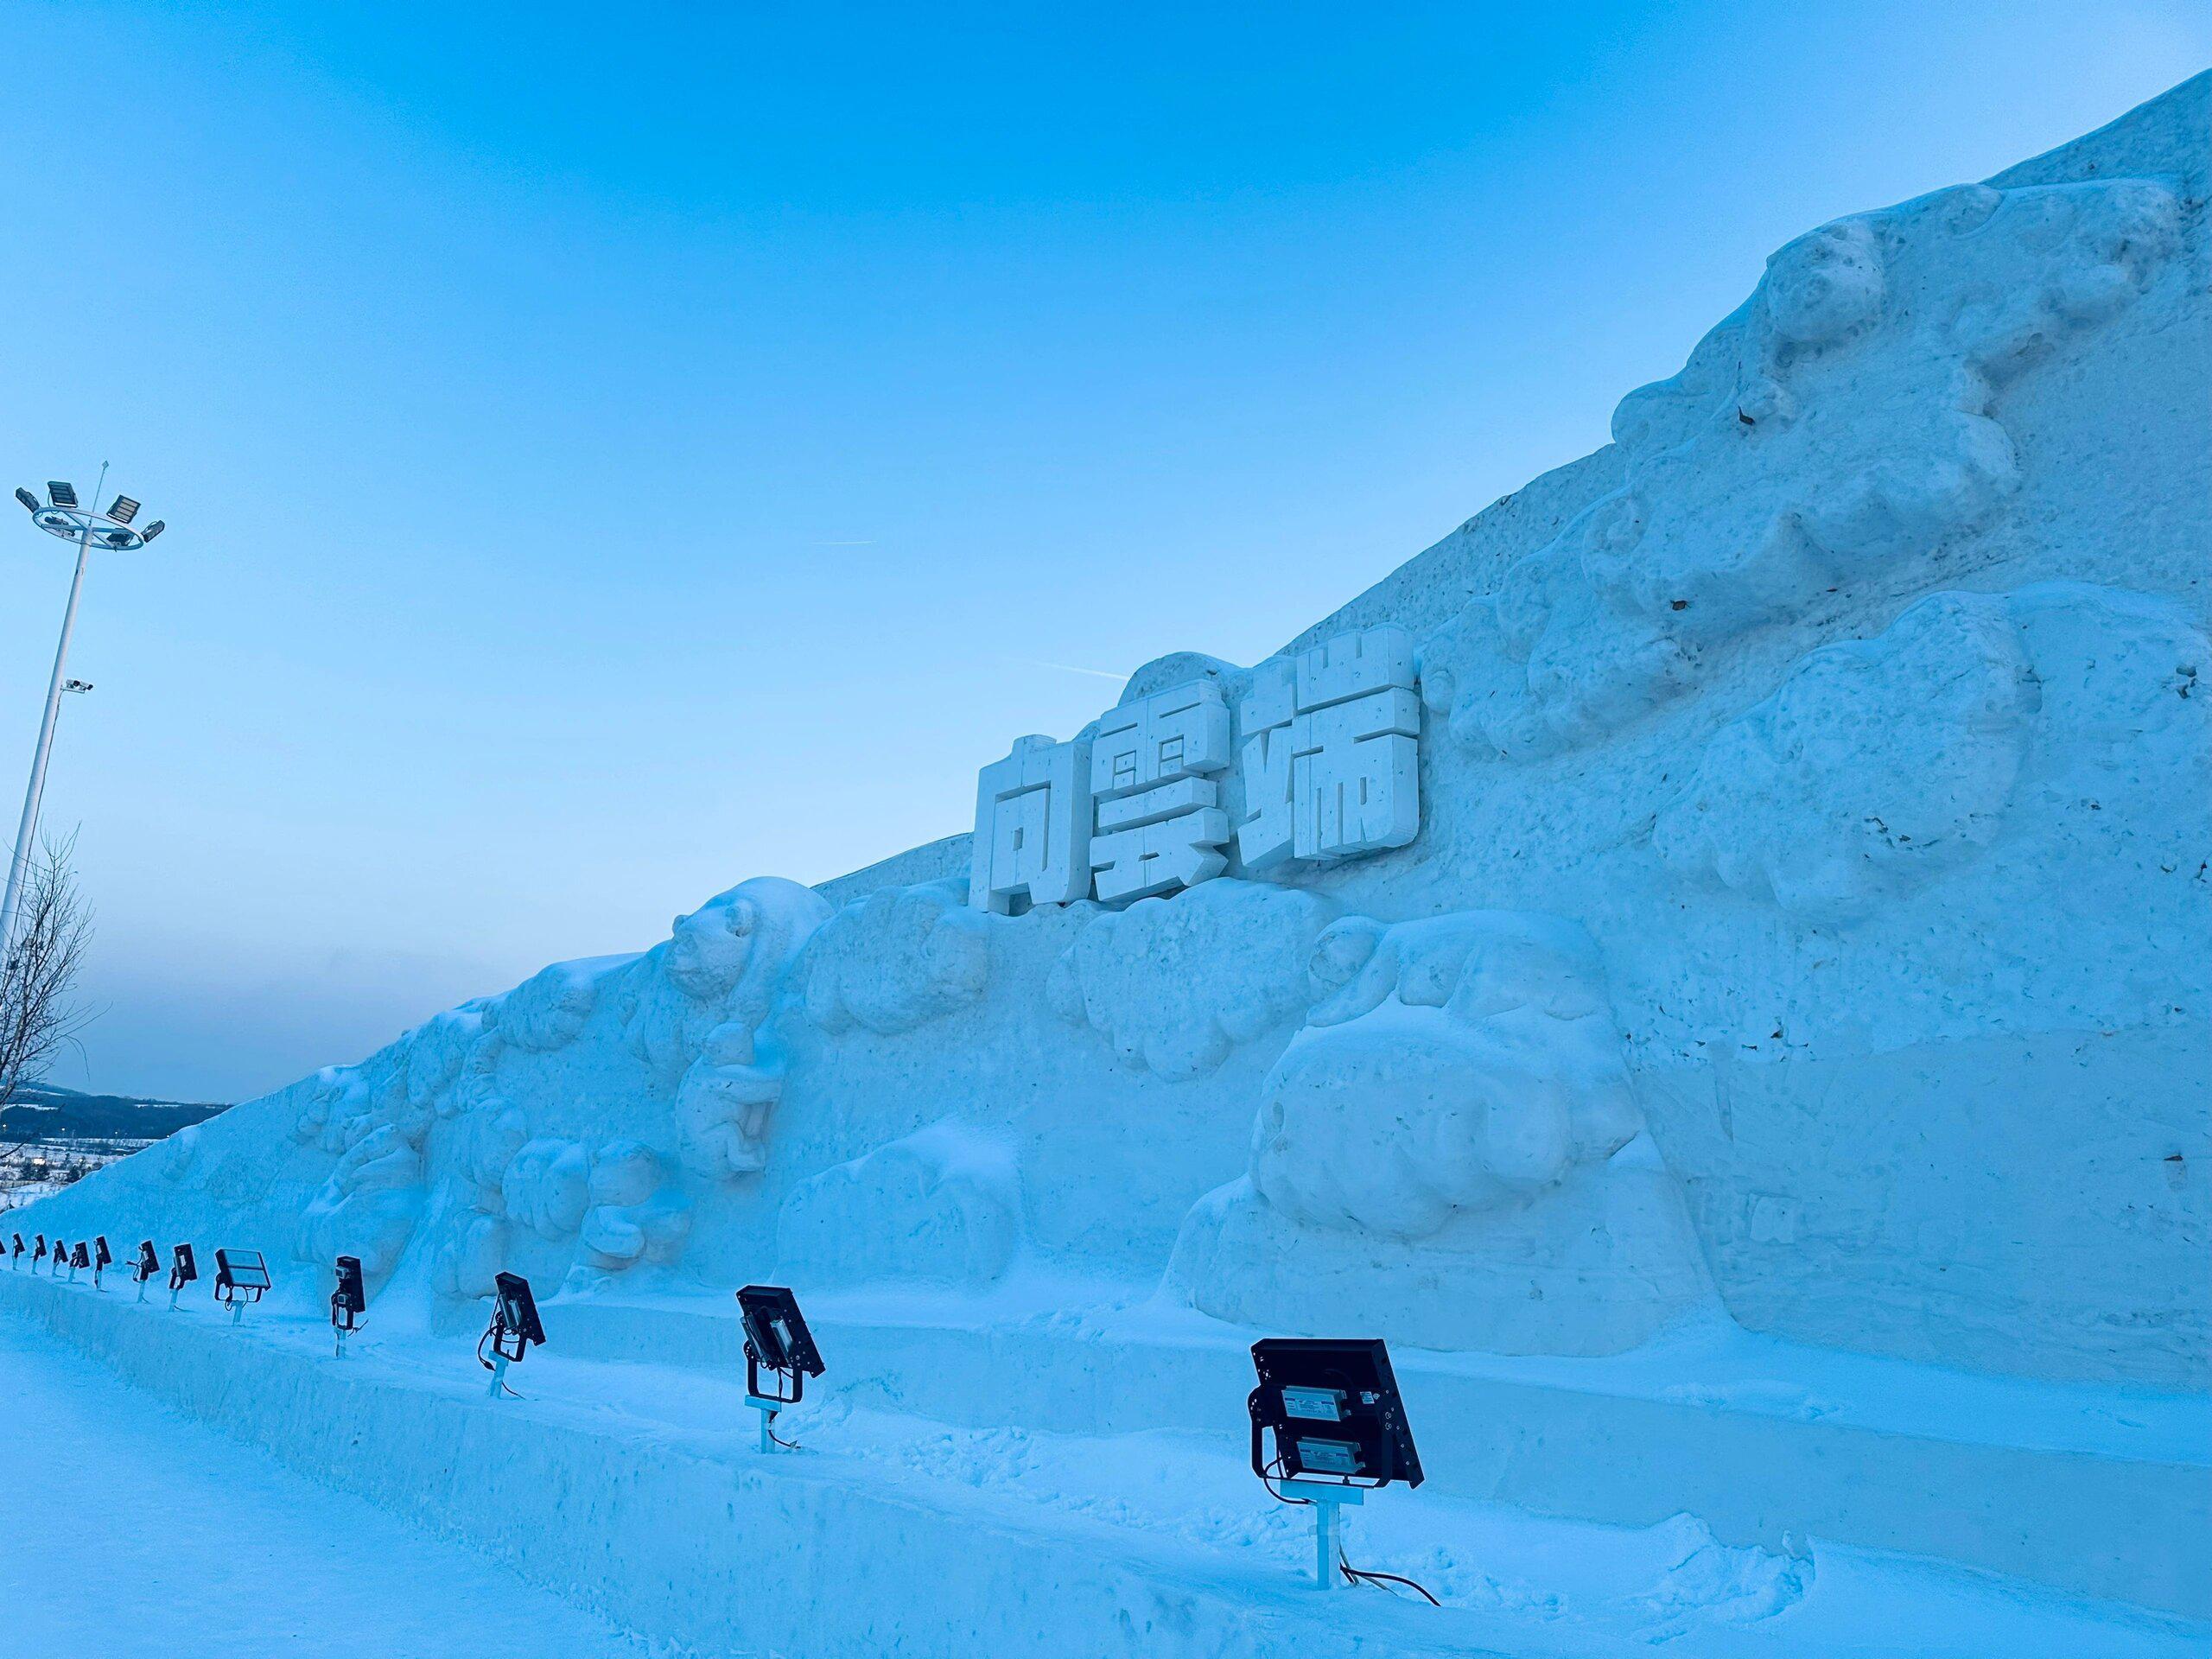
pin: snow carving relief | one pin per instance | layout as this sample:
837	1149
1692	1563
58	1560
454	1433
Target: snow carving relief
1175	984
1879	763
943	1204
1331	744
1157	815
1032	827
1842	422
1451	1149
633	1215
1328	742
895	960
729	957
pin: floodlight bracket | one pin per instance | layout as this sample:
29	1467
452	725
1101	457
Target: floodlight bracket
754	1391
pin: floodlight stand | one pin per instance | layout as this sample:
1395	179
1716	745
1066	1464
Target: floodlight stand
73	1273
174	1292
141	1290
499	1374
1326	1498
96	1282
769	1404
238	1311
19	865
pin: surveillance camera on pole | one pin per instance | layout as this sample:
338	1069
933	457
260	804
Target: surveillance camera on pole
115	531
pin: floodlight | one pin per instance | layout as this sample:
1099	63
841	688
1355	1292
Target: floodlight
38	1253
30	501
60	494
514	1321
120	538
144	1269
102	1259
241	1278
17	1254
153	529
775	1337
183	1271
348	1300
124	510
1339	1426
79	1257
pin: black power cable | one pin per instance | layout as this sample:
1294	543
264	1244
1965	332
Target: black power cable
1364	1575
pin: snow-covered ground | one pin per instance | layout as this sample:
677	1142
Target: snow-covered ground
134	1533
1023	1522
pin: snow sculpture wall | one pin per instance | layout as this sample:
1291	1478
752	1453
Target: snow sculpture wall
1799	896
1440	1149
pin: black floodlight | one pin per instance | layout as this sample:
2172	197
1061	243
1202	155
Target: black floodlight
241	1279
60	494
776	1336
182	1271
153	529
514	1326
102	1257
348	1300
30	501
1333	1411
124	510
120	538
518	1312
79	1257
1338	1425
38	1254
15	1255
144	1269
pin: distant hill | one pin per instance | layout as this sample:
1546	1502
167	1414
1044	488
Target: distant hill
42	1114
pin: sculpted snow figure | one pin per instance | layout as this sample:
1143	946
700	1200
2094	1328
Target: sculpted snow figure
1846	421
1451	1146
724	964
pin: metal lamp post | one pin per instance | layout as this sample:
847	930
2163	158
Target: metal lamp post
61	515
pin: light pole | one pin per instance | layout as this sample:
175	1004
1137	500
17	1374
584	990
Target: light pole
61	515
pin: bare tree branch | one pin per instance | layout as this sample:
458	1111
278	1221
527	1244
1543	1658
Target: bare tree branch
39	1014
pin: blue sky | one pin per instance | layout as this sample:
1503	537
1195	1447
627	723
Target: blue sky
613	451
